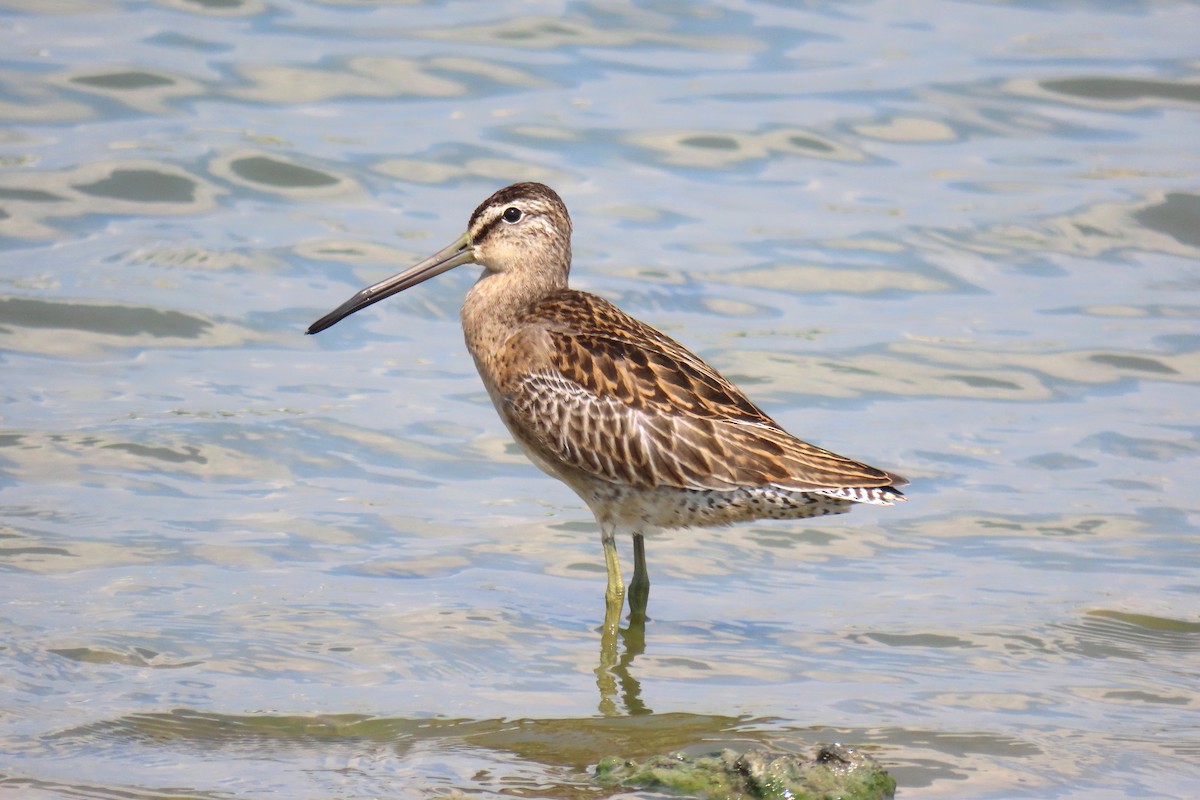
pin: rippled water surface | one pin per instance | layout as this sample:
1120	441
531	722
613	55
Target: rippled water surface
958	240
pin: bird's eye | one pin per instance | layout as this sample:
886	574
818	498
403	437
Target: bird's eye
512	214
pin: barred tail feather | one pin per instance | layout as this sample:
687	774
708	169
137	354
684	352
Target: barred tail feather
872	495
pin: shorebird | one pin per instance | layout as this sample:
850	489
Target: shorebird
644	431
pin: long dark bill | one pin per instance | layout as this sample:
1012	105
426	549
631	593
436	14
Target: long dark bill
443	260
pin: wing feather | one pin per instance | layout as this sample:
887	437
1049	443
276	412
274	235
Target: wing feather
622	402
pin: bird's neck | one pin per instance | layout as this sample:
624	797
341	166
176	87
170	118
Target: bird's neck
495	305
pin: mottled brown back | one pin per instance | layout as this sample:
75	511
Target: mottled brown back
621	402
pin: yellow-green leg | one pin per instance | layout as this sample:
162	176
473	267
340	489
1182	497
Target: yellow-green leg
614	593
639	586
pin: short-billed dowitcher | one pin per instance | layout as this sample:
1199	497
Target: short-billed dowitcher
641	428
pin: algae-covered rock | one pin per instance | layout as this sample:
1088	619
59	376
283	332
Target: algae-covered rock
837	772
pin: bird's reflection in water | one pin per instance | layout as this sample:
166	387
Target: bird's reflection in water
620	690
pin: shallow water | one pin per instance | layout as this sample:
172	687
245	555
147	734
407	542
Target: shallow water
957	240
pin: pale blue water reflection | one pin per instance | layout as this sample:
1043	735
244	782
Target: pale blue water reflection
955	239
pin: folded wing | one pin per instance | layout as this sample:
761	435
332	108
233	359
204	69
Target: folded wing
618	400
